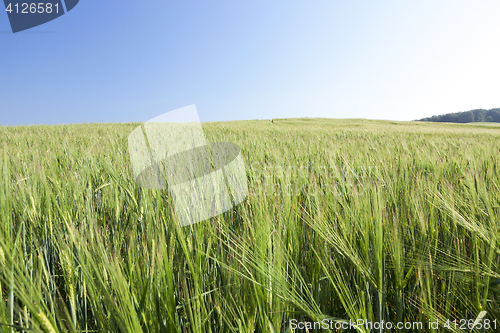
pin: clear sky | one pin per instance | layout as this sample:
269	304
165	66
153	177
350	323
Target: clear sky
129	61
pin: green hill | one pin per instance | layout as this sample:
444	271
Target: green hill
473	116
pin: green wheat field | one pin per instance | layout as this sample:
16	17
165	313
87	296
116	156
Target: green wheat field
345	220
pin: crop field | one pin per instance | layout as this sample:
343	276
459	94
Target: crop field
345	220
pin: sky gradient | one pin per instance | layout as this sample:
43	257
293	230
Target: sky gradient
124	61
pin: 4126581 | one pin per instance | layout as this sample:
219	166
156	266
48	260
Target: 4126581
33	8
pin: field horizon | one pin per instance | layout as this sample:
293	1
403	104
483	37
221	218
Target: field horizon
346	121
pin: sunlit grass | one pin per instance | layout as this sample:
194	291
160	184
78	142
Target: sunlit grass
345	220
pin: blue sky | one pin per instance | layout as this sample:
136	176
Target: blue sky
124	61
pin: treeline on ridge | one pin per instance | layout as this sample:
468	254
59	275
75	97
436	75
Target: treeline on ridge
473	116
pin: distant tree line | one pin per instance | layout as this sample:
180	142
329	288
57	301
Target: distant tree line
473	116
